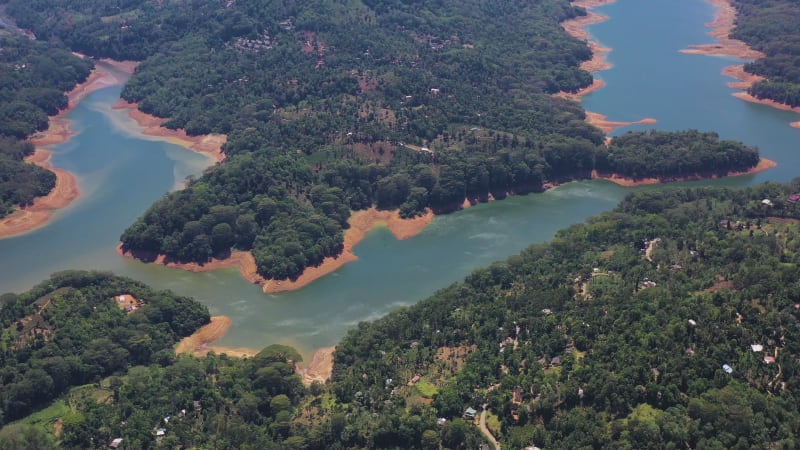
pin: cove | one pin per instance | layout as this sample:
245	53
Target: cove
122	172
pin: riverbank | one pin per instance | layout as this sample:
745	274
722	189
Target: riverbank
207	144
320	367
607	126
106	73
721	28
577	28
599	62
199	344
361	223
763	164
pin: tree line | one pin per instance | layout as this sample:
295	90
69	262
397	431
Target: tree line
33	80
770	26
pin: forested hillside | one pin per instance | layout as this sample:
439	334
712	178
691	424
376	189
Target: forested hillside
74	329
670	322
337	106
33	79
770	26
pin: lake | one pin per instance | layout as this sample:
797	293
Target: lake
121	173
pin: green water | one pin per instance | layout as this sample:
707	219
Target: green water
121	173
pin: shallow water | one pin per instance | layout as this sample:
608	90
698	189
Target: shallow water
121	173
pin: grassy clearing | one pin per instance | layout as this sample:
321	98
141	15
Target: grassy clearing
43	418
426	389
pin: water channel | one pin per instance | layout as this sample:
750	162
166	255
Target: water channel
121	173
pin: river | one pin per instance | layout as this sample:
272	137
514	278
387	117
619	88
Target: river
122	172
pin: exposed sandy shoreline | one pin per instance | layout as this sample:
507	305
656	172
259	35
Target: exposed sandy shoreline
763	164
361	222
209	144
600	121
319	369
721	27
39	213
200	343
577	29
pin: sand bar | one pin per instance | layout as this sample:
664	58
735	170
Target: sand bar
600	121
763	164
40	212
200	343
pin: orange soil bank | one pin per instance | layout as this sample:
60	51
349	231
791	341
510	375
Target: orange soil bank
721	26
66	190
577	29
209	144
200	343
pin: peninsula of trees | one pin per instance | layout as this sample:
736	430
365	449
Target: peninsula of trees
33	79
78	327
669	322
674	155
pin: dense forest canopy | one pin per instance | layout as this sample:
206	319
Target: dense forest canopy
338	106
71	330
671	322
666	155
33	79
770	26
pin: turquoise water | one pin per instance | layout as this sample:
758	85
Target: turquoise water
121	173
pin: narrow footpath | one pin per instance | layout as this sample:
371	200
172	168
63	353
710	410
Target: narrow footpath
486	431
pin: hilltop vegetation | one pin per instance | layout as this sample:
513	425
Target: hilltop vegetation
70	330
770	26
33	79
671	321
